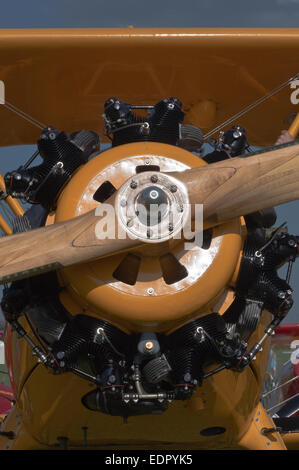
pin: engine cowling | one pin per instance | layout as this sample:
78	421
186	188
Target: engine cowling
157	286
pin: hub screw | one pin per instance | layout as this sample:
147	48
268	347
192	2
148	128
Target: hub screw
133	184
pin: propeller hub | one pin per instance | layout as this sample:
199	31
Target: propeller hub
152	207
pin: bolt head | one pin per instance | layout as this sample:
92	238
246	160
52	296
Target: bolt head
149	346
237	134
281	295
133	184
187	377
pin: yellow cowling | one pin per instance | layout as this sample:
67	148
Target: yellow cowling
152	302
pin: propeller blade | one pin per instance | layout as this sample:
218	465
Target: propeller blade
56	246
240	186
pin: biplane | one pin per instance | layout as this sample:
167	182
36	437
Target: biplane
120	334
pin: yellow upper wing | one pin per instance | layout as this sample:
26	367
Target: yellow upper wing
62	77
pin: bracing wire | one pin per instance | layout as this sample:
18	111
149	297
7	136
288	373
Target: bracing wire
23	115
250	107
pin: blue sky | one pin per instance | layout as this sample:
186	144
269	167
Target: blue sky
144	13
154	13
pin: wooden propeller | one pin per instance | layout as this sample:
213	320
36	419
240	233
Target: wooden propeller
227	189
240	186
